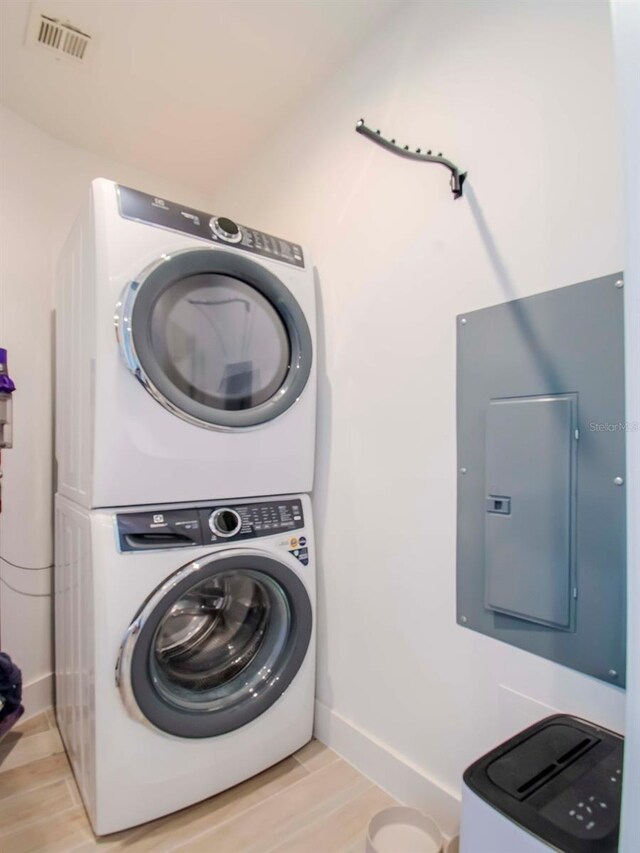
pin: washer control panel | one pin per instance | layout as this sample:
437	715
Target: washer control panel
157	529
142	207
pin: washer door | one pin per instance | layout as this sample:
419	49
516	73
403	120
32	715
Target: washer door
216	338
216	645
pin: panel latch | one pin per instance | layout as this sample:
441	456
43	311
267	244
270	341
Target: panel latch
499	504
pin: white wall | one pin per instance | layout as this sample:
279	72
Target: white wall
626	18
42	185
522	96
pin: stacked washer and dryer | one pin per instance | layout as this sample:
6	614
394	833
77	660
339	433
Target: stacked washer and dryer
185	572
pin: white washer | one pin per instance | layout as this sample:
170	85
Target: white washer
185	356
185	649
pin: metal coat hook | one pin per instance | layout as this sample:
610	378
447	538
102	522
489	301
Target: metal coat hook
457	177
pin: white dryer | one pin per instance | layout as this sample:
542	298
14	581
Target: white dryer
185	649
185	356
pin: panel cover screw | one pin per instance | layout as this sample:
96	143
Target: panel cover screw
613	673
463	619
463	470
619	283
618	481
464	321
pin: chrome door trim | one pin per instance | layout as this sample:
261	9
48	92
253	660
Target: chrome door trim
127	647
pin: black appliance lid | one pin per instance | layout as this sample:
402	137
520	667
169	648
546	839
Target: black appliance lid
560	780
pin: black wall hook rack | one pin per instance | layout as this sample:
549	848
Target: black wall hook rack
457	177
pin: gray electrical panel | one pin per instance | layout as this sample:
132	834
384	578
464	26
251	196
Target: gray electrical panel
541	462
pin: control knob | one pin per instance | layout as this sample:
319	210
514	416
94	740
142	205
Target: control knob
226	229
225	522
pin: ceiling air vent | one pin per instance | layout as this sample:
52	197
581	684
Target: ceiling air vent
59	37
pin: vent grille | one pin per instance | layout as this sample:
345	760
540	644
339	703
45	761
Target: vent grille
60	37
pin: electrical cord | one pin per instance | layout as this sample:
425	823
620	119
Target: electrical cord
26	568
28	594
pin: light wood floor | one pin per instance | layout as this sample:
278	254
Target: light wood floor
313	802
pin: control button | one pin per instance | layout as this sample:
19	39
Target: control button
303	541
225	522
226	229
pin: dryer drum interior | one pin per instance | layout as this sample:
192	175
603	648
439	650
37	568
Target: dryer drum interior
219	339
219	643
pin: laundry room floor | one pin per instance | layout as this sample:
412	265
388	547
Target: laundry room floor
312	802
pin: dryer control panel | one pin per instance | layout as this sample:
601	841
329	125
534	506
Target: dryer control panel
157	529
141	207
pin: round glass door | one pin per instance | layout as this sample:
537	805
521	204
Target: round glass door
216	645
220	342
218	339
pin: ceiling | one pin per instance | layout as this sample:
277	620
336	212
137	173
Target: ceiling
182	88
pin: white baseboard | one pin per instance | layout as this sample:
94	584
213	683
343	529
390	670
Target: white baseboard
395	773
37	696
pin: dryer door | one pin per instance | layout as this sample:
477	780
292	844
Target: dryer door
216	338
215	645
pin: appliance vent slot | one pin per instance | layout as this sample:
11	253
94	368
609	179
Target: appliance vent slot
60	37
537	778
576	749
